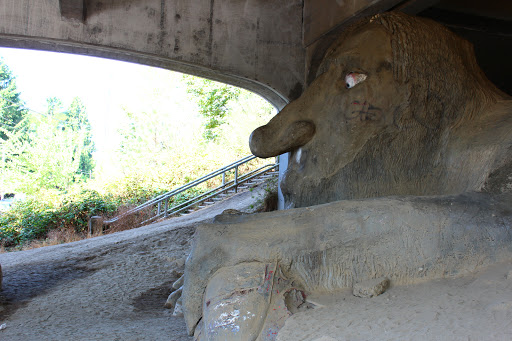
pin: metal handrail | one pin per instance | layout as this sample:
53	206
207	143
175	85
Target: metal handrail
226	186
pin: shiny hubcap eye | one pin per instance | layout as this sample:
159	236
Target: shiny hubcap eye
353	78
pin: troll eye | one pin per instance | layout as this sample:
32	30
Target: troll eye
353	78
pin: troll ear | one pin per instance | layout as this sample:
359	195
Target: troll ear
424	108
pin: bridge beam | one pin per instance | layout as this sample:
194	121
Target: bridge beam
251	43
73	9
271	47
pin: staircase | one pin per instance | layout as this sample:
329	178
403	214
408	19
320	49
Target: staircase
161	207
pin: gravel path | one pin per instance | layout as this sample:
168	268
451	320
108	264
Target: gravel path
111	287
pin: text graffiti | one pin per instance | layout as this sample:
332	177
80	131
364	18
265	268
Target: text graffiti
364	112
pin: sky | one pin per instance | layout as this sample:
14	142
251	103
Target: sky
105	87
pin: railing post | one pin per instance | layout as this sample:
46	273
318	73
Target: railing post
95	225
159	208
224	178
166	207
236	179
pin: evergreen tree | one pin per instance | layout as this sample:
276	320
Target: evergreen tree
76	120
54	153
12	111
54	107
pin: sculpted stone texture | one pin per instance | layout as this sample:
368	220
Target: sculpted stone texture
370	288
425	121
402	122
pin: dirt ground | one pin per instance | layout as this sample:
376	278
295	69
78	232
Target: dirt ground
477	306
114	287
111	287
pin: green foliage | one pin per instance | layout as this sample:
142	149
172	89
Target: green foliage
52	152
159	149
213	99
247	113
76	119
54	107
33	218
12	111
76	209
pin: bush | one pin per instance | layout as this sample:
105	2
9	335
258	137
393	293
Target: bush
75	211
34	217
159	150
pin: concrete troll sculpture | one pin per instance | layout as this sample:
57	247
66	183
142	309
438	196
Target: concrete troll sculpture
396	109
402	123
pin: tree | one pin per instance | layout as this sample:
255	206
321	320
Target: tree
213	99
53	153
12	109
154	144
76	120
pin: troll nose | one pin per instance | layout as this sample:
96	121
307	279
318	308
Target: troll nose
275	139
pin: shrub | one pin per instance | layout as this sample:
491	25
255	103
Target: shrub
34	217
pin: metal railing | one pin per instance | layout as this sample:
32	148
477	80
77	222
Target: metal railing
160	207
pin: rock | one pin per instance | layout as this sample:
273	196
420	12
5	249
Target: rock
371	288
232	212
228	215
0	277
295	301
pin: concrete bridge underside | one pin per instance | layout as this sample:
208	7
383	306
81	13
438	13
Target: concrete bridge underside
271	47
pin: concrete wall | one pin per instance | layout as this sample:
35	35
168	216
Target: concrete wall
268	46
252	43
271	47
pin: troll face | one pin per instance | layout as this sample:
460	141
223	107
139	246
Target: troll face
352	100
376	120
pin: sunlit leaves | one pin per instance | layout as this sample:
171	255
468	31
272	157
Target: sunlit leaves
213	99
52	152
